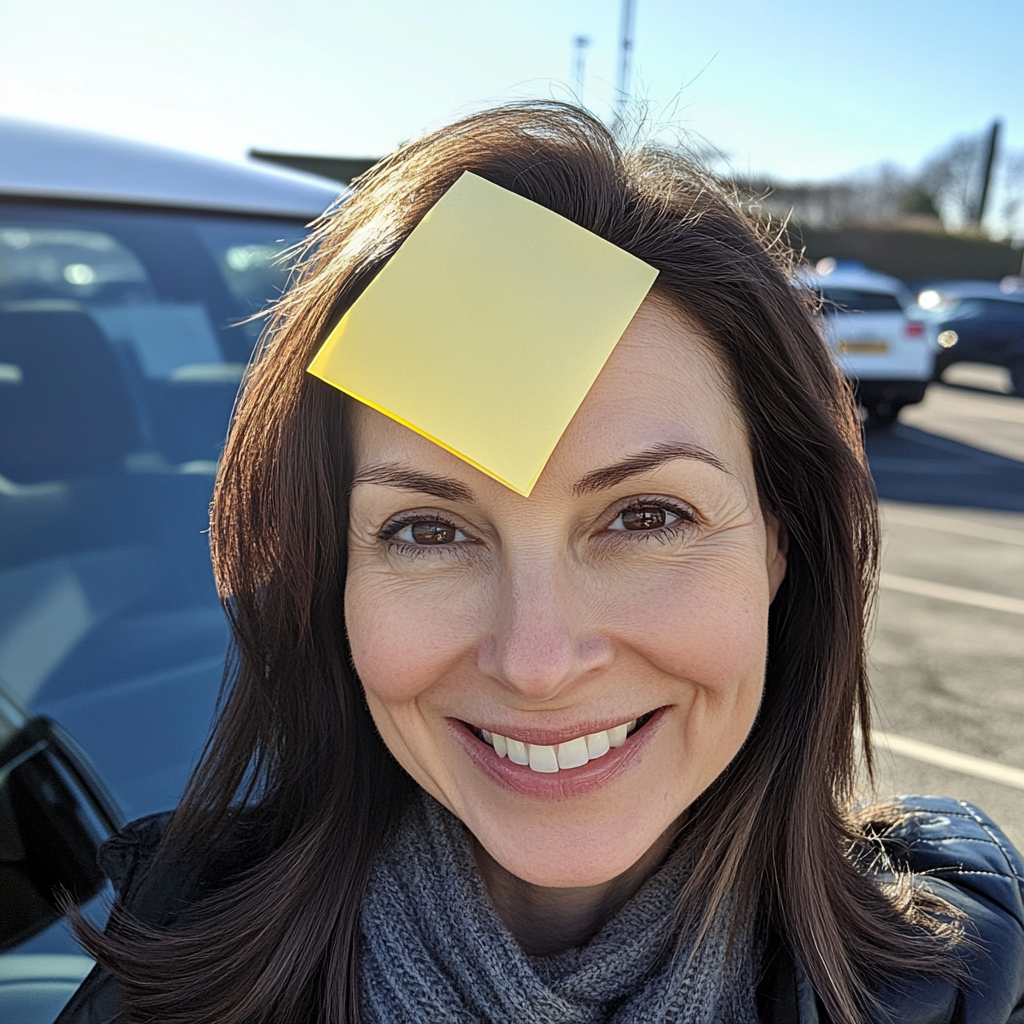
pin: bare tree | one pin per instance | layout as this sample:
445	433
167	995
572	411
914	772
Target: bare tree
1010	186
948	186
953	178
874	196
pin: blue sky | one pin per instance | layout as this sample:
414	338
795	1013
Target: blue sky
798	89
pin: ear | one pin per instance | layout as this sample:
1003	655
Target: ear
776	550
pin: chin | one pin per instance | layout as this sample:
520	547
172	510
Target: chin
564	854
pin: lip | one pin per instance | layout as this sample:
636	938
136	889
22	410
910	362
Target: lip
564	785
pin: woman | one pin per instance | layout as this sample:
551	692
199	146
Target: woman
384	827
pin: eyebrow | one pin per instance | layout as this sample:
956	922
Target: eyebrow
449	489
641	462
443	487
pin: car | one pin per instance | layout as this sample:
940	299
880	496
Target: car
877	334
129	278
978	322
55	811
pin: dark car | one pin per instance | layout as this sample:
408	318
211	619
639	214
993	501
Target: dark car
128	275
979	322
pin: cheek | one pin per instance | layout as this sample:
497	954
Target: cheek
402	638
705	620
705	625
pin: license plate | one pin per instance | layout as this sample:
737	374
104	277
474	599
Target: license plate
866	347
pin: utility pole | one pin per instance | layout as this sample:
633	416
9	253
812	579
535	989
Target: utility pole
990	159
580	44
625	59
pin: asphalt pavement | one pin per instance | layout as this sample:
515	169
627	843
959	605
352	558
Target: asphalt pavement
947	654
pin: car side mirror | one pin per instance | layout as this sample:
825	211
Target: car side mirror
55	811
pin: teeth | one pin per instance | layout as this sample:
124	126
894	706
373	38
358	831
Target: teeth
517	751
543	758
571	754
597	744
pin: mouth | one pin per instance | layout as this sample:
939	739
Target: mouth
573	753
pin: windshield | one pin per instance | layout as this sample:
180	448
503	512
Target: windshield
856	300
122	345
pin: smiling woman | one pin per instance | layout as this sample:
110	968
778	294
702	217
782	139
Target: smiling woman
626	595
586	755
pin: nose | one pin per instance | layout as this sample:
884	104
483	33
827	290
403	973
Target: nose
543	639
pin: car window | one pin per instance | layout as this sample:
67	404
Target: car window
855	300
123	339
64	262
252	266
1001	309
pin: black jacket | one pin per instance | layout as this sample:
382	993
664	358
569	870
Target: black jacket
952	847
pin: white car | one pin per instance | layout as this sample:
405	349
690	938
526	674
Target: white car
877	334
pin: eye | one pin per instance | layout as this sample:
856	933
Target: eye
426	533
647	517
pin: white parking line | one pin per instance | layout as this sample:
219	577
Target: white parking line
958	595
949	759
951	524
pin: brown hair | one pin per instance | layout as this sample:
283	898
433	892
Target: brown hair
294	741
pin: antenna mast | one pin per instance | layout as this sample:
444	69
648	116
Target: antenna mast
580	44
625	59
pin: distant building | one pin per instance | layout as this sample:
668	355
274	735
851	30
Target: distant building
336	168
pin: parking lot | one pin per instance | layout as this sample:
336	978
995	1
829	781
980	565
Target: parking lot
948	646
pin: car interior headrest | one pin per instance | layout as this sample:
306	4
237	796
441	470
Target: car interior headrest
65	407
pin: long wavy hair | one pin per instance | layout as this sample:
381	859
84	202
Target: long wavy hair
294	746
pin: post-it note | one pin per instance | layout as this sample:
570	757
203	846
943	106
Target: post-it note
486	329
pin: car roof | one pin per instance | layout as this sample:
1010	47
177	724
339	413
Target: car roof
852	275
47	161
978	290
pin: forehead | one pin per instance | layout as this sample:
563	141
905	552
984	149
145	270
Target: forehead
664	382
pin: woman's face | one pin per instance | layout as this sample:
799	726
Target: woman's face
632	586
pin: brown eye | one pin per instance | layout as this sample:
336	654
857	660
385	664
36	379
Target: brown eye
433	533
646	517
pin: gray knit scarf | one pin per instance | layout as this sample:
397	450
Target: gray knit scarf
435	952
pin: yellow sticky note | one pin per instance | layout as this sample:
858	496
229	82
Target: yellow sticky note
487	328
